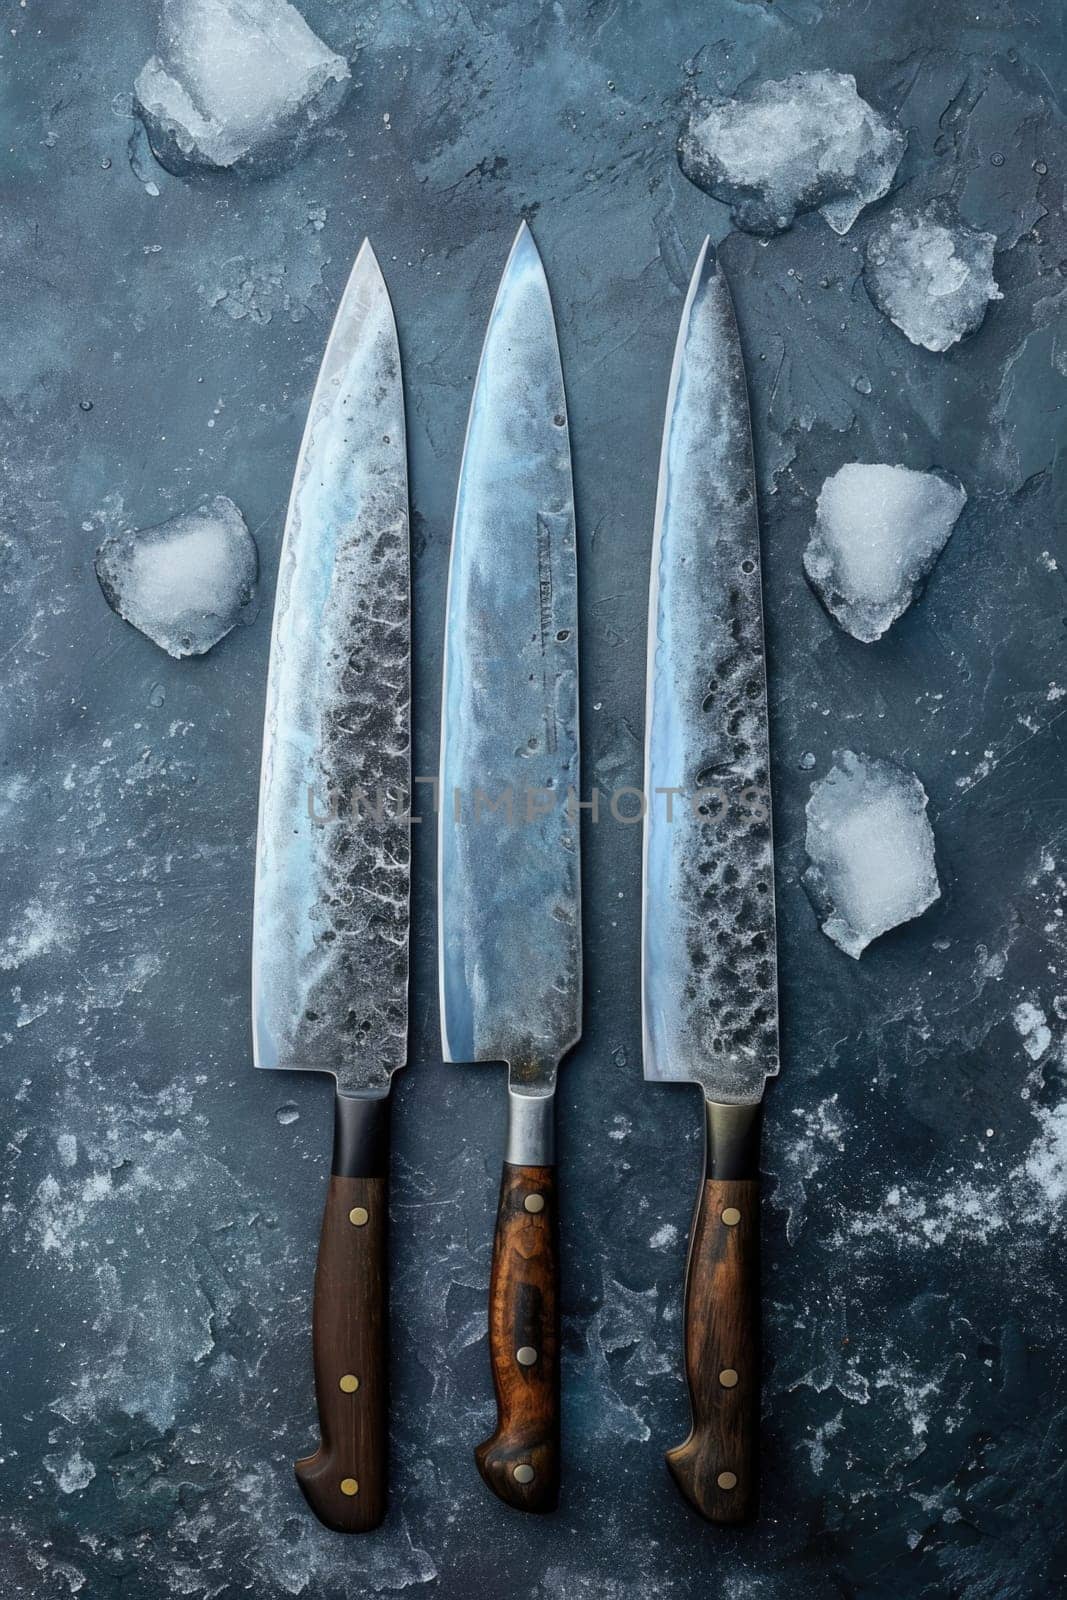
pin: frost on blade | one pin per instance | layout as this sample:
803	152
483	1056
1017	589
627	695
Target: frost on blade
870	848
878	532
933	278
187	582
235	83
808	142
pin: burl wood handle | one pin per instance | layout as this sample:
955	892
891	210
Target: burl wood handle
344	1482
717	1468
520	1463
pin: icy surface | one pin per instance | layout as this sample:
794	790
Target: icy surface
870	848
807	142
187	582
235	83
878	532
933	278
170	1345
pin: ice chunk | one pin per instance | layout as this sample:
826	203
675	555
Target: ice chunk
72	1473
803	143
235	83
932	277
878	531
187	582
870	848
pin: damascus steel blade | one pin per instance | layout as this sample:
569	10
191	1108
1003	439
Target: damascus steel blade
709	980
330	935
510	964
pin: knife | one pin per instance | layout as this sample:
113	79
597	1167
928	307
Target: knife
330	935
509	893
709	978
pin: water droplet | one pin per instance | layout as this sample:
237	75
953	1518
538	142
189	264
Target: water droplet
106	163
807	761
1040	168
85	405
861	384
287	1114
996	159
157	695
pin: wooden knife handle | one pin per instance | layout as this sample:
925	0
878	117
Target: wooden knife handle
520	1463
717	1468
344	1482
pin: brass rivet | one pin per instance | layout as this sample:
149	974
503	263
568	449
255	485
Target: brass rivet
523	1474
727	1480
349	1383
534	1202
731	1216
349	1486
728	1378
359	1216
526	1355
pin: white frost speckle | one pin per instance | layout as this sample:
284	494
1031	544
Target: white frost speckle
41	928
805	142
878	531
932	278
975	1208
820	1129
665	1237
235	83
67	1149
870	848
187	582
817	1445
1046	1164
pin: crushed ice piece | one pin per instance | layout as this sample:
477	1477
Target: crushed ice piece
1031	1024
932	278
72	1473
235	83
870	848
878	532
807	142
187	582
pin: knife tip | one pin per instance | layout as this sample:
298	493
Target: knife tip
367	278
524	243
366	254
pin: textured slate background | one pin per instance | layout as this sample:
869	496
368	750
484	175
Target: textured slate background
162	1201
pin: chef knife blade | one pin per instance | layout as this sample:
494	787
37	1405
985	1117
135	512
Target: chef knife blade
509	903
330	935
709	979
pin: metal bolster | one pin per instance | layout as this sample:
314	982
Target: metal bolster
732	1151
360	1136
531	1129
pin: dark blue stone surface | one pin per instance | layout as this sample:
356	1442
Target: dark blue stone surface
162	1200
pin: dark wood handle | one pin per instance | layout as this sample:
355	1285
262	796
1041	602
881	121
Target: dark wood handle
520	1463
344	1482
717	1468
